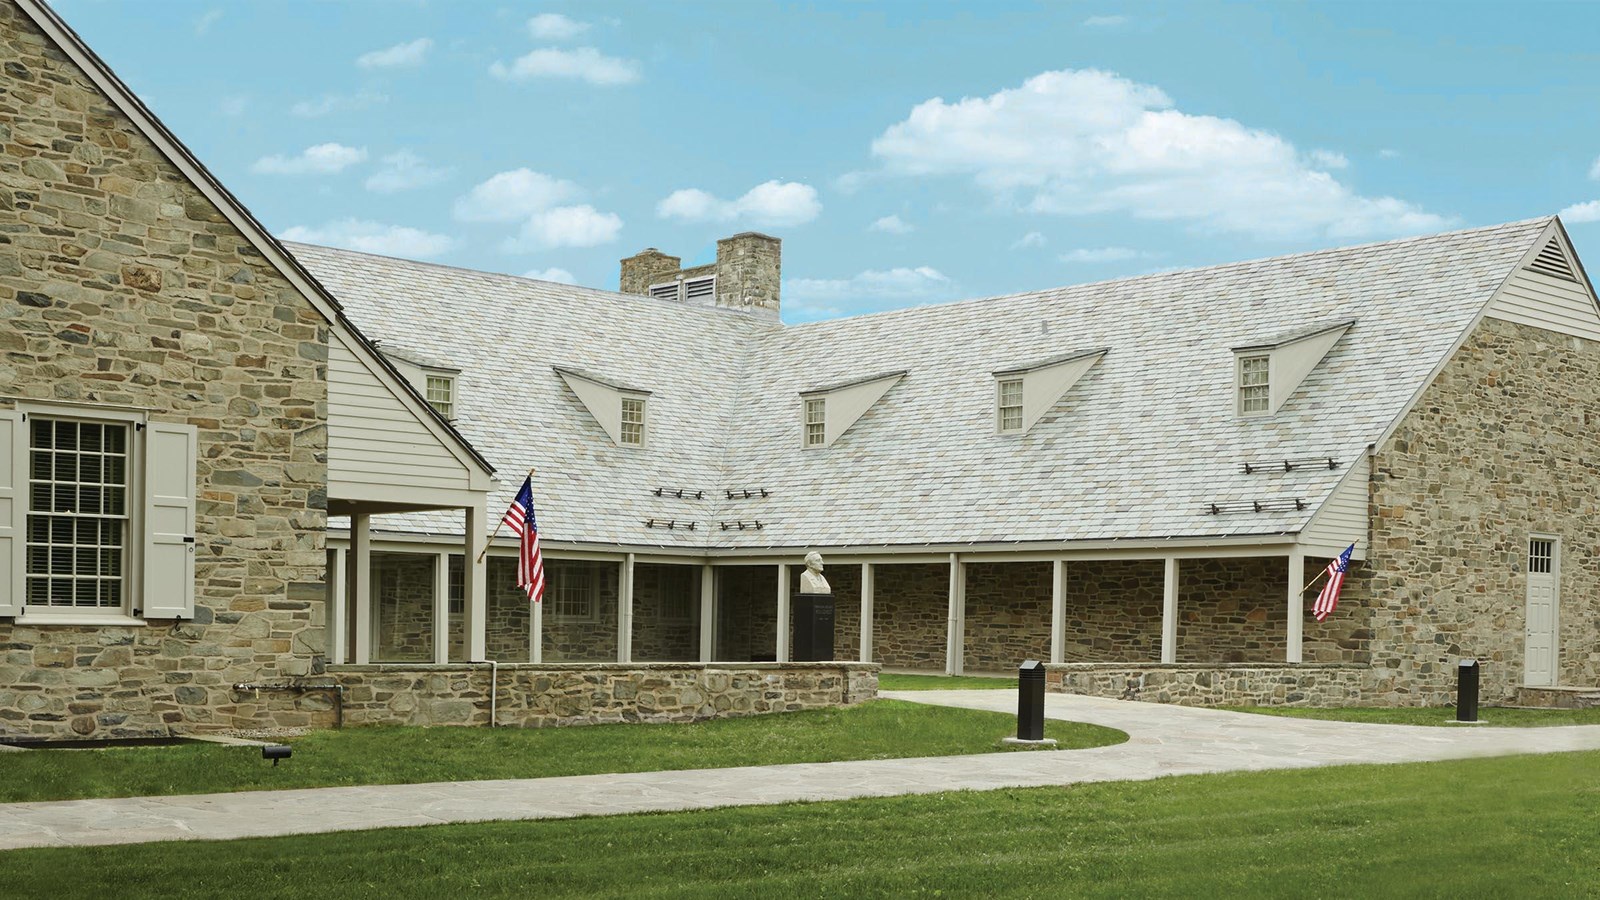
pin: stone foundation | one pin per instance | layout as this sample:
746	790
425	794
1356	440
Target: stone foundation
541	696
1216	685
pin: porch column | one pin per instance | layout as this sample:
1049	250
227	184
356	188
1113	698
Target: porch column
441	607
1169	613
1297	613
625	612
783	612
361	585
708	612
536	633
335	610
956	637
867	589
475	609
1058	611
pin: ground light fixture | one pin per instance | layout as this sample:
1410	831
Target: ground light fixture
276	752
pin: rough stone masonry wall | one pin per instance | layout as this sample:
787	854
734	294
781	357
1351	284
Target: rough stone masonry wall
508	626
1008	614
747	613
910	615
1113	611
1501	445
666	613
1232	610
544	696
576	639
122	286
1214	685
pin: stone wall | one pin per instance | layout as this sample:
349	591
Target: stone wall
1232	610
1008	615
121	287
581	639
747	613
544	696
910	615
1113	611
508	625
1500	446
666	613
1214	685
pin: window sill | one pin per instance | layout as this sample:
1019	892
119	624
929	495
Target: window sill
30	617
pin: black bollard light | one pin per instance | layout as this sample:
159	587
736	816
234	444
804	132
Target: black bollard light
1467	691
1030	701
276	752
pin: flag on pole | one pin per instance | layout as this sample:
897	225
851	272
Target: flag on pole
1329	598
520	519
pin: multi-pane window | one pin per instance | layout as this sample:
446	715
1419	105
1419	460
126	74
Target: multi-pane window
77	540
816	422
441	395
570	590
676	590
1255	395
1010	404
457	576
633	421
1541	553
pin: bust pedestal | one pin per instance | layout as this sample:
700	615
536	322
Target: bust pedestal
813	627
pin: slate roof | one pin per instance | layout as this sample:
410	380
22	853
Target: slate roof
1136	449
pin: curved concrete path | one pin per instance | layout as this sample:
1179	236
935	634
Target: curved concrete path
1164	740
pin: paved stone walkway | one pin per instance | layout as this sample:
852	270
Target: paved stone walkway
1165	740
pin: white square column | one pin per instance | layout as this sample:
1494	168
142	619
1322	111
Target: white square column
361	586
1058	611
475	589
956	636
1295	649
441	608
867	590
625	612
708	612
783	613
1169	612
338	628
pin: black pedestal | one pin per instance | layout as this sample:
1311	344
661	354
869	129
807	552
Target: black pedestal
813	627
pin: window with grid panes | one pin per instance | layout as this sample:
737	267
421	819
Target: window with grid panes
458	584
441	395
632	421
1541	552
78	525
816	422
571	590
1010	404
1255	395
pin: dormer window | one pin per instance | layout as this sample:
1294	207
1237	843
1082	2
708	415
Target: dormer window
441	394
816	422
1255	393
632	434
1009	405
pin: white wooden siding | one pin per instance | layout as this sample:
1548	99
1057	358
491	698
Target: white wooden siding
374	439
1555	304
1343	519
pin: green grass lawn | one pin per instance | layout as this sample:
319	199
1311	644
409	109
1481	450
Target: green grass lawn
1506	827
882	729
1434	715
889	681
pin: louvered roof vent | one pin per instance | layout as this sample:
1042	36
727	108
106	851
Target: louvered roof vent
666	291
700	288
1552	261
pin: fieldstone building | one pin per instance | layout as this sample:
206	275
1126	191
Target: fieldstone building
245	485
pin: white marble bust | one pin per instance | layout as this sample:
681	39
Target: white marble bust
811	580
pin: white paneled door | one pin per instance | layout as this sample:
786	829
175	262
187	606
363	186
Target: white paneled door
1540	639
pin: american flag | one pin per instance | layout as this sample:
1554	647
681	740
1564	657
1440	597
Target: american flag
530	565
1329	598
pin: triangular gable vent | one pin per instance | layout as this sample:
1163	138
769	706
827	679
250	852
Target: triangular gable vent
1552	261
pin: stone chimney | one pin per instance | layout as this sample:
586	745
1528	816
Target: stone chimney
748	273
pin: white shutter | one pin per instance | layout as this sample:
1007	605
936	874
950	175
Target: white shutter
169	546
13	509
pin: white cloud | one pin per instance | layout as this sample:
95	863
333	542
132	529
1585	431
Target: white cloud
372	237
204	23
404	171
1105	21
565	226
318	159
1031	239
560	276
406	55
235	105
892	225
873	284
1594	170
1329	159
555	27
1085	141
1102	254
328	104
513	195
584	64
769	203
1579	213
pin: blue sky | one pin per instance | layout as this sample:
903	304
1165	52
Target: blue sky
906	153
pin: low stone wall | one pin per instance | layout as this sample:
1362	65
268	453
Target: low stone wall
1216	685
539	696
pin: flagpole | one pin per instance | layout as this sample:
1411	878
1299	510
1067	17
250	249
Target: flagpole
498	526
1319	576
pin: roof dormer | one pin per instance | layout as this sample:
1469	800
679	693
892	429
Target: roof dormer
1267	373
1023	394
619	410
826	413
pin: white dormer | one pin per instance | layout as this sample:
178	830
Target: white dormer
1023	394
619	410
434	380
1266	374
826	413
